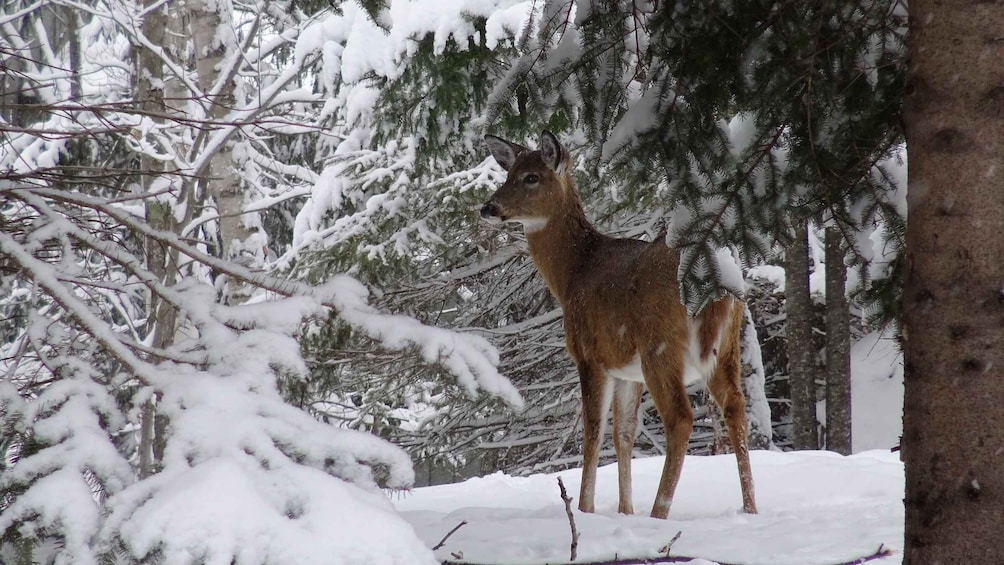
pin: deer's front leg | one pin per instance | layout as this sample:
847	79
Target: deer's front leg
596	393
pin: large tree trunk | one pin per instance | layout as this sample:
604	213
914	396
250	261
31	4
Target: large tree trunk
801	354
953	417
838	347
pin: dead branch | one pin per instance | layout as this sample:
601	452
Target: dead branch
448	534
669	546
879	554
571	519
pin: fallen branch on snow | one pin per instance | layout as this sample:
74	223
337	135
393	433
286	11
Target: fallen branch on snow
571	518
879	554
442	542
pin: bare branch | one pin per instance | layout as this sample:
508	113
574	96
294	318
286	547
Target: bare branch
43	274
571	519
442	542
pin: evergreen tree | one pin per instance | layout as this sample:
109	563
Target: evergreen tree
742	120
720	119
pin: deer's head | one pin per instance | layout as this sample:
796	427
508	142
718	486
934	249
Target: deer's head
538	185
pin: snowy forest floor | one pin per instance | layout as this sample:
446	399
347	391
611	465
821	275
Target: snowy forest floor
815	508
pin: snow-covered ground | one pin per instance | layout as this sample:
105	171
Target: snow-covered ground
816	507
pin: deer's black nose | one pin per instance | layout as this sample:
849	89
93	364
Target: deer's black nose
489	211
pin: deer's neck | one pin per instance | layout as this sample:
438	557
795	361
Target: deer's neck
561	247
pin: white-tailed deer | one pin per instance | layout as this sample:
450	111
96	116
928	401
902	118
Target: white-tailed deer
624	323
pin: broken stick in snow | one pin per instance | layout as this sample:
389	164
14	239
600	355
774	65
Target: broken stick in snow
571	518
442	542
669	546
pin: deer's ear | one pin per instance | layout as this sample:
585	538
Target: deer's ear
505	152
554	155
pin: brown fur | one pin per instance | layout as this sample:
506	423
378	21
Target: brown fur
620	299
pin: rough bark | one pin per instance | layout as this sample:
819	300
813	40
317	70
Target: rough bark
838	347
953	421
801	365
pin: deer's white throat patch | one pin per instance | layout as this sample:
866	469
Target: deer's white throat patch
531	225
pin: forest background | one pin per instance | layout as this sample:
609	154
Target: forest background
240	241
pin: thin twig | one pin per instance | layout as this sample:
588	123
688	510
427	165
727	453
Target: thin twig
669	546
571	519
442	542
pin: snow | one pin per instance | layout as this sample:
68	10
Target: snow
731	274
370	50
876	392
742	132
759	409
772	273
815	507
196	515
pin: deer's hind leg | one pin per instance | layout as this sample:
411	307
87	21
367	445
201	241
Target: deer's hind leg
664	377
627	397
726	388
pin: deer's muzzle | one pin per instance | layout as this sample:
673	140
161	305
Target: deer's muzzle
489	211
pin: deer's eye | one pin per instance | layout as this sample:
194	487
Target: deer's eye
532	178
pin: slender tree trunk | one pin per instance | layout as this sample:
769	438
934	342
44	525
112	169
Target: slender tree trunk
163	262
73	23
838	347
801	354
953	303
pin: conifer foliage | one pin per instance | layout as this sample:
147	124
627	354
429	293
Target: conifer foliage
739	114
725	122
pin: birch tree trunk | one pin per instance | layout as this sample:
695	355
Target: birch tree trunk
213	42
953	302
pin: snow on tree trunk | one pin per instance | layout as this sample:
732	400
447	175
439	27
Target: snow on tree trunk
761	432
801	354
953	300
838	347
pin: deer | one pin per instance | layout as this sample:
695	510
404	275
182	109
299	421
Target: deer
625	325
